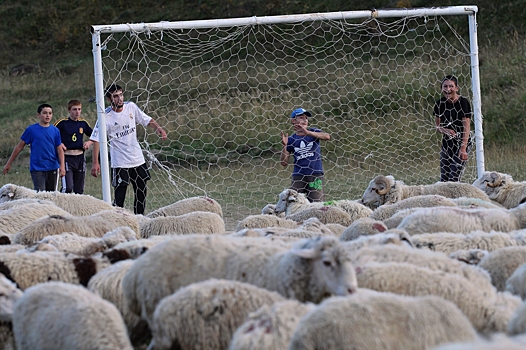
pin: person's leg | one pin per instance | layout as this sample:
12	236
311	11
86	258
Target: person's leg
298	184
142	175
120	183
39	180
457	169
445	163
52	180
79	174
67	181
315	188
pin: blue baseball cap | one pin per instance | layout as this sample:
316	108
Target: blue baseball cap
300	111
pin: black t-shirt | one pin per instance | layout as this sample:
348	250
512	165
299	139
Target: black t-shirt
72	132
451	116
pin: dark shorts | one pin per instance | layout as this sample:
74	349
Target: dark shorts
310	185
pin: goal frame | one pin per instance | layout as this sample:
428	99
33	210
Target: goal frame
97	30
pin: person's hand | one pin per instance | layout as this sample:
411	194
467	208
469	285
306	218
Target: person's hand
95	170
162	133
463	155
284	138
63	147
62	171
7	167
87	144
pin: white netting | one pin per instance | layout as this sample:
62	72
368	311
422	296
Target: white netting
224	95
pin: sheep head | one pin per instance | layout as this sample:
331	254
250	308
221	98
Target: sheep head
378	187
287	197
495	180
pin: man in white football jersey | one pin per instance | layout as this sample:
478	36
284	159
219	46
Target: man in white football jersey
127	160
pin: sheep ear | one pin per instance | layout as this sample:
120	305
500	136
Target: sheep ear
308	253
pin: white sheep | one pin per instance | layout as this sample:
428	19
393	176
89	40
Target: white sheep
449	242
326	214
75	204
203	222
108	285
396	237
13	220
205	315
397	217
502	189
69	242
58	315
458	220
428	259
471	203
311	227
424	201
133	249
517	324
373	320
262	221
470	256
188	205
9	294
309	271
27	269
95	225
487	313
501	264
270	209
495	342
270	327
516	283
291	202
362	227
385	190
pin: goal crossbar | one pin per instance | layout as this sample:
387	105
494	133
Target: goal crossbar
255	20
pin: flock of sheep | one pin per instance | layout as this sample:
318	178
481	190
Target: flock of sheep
439	266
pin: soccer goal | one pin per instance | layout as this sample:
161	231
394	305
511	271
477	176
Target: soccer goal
224	90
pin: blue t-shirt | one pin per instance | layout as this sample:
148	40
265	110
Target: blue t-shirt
43	143
307	154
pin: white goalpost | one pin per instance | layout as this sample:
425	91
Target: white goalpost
224	90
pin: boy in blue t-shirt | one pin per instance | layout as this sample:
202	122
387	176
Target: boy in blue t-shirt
304	144
46	160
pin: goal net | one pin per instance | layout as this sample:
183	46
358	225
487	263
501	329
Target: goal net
224	91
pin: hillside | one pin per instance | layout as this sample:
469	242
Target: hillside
51	40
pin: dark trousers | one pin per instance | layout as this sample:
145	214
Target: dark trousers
45	180
311	185
75	174
451	166
137	176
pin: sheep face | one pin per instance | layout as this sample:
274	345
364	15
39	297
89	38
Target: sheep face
7	193
374	195
492	182
332	270
287	197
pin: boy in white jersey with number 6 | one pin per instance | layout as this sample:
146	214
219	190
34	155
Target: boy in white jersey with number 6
127	160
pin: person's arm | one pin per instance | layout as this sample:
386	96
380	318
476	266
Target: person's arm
442	130
60	153
87	144
16	151
284	157
158	129
95	166
463	154
320	135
